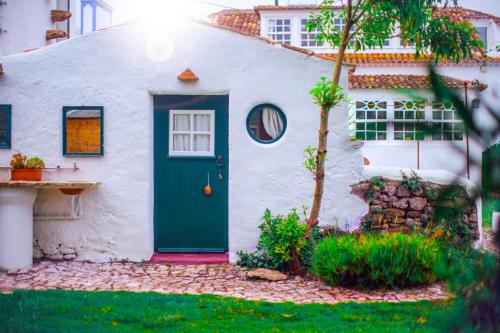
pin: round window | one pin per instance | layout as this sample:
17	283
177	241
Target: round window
266	123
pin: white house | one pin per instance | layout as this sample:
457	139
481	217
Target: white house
31	24
387	83
155	135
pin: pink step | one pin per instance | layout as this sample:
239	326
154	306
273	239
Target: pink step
189	258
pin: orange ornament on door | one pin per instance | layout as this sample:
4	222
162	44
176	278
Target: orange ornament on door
208	189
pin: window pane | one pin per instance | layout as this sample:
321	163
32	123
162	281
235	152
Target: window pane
371	136
458	136
201	142
266	123
437	115
202	122
182	122
483	35
83	131
181	142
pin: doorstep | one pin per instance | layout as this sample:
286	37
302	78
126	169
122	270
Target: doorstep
189	258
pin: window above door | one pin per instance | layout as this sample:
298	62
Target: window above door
191	133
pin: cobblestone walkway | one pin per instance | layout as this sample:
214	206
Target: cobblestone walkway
224	280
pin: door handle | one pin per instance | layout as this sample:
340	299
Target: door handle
219	163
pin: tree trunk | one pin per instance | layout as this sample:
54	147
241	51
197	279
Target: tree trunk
295	264
323	137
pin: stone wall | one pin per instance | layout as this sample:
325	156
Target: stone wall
395	206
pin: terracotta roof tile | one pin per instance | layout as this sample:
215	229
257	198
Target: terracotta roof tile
188	76
406	82
245	20
405	59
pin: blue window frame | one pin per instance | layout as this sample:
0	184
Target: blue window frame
83	130
266	123
94	4
5	126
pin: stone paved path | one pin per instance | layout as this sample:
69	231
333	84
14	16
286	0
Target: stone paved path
224	280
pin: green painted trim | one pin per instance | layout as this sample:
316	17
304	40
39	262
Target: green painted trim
193	250
7	108
70	108
258	108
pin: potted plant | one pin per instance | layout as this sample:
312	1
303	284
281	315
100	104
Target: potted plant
29	169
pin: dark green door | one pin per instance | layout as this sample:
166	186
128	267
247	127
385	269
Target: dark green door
190	151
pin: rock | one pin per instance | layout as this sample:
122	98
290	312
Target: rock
418	192
69	256
390	188
403	192
394	212
266	274
401	203
376	203
405	228
418	203
393	198
414	214
429	210
384	197
360	189
56	257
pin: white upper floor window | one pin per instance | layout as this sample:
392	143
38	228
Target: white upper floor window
308	39
280	30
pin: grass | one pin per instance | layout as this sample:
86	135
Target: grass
79	311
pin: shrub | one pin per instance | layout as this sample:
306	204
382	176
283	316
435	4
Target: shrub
281	238
376	260
254	260
412	182
35	163
474	280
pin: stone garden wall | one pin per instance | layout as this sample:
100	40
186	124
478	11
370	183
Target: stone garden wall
408	204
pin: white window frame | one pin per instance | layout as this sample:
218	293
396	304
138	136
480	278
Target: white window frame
428	119
308	40
291	32
191	132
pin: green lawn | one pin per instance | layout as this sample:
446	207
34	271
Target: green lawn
76	311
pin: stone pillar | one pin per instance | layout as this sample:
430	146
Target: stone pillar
16	227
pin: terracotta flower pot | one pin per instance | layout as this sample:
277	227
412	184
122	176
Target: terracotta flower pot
26	174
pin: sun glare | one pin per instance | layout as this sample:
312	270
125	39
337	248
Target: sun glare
162	18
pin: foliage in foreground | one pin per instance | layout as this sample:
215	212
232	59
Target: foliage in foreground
73	311
474	280
282	238
391	260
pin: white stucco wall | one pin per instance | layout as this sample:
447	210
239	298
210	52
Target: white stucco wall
111	68
25	22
